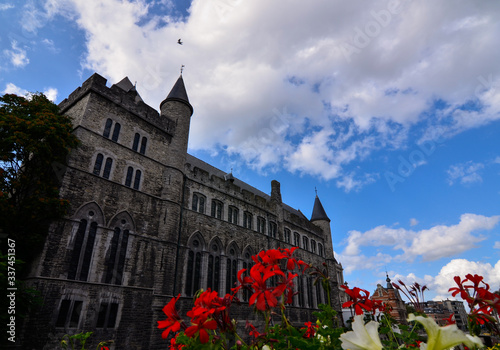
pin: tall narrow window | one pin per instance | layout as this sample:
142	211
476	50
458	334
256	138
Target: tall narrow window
98	164
287	235
302	291
144	142
193	268
128	179
310	298
231	270
320	249
305	243
247	265
272	229
69	313
319	287
247	220
107	315
213	269
135	145
216	209
82	251
313	246
232	215
137	180
116	132
107	168
115	262
198	203
107	128
261	225
296	239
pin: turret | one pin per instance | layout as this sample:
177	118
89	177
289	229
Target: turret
177	108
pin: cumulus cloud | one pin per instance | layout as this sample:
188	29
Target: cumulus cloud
460	267
11	88
407	245
244	60
51	94
465	173
17	55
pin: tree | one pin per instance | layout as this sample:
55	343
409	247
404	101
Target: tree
35	140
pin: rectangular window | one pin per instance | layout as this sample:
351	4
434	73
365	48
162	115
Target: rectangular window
216	209
107	315
296	239
287	235
232	215
272	229
261	225
247	220
69	313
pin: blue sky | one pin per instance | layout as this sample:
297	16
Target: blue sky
391	109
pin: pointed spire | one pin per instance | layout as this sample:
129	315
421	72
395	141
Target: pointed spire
388	280
318	211
179	94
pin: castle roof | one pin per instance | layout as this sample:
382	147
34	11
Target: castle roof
179	94
318	211
126	85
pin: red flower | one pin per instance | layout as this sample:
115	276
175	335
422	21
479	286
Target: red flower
311	330
253	331
206	305
292	262
173	321
450	320
201	328
264	297
359	300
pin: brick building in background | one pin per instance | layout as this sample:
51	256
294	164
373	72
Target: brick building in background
391	297
149	221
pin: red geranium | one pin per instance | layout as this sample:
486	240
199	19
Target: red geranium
173	321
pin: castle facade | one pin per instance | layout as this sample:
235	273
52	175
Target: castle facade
148	221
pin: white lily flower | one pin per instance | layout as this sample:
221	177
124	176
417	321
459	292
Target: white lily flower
440	338
362	337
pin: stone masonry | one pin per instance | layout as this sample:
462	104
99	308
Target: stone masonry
148	221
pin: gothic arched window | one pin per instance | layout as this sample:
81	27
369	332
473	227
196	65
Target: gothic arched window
231	269
82	250
193	272
213	268
115	261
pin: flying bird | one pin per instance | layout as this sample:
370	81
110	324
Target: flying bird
179	42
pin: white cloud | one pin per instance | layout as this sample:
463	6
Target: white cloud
16	90
465	173
51	94
496	245
427	244
461	267
6	6
17	55
11	88
413	222
245	60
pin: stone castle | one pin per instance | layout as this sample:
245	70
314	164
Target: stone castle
148	221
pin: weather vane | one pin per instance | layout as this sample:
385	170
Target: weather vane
182	68
316	190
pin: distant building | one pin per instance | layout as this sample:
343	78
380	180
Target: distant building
391	297
148	221
438	311
458	309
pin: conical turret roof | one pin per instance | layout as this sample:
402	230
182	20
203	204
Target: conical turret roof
318	211
179	94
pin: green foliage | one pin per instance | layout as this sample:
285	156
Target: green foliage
34	143
73	341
